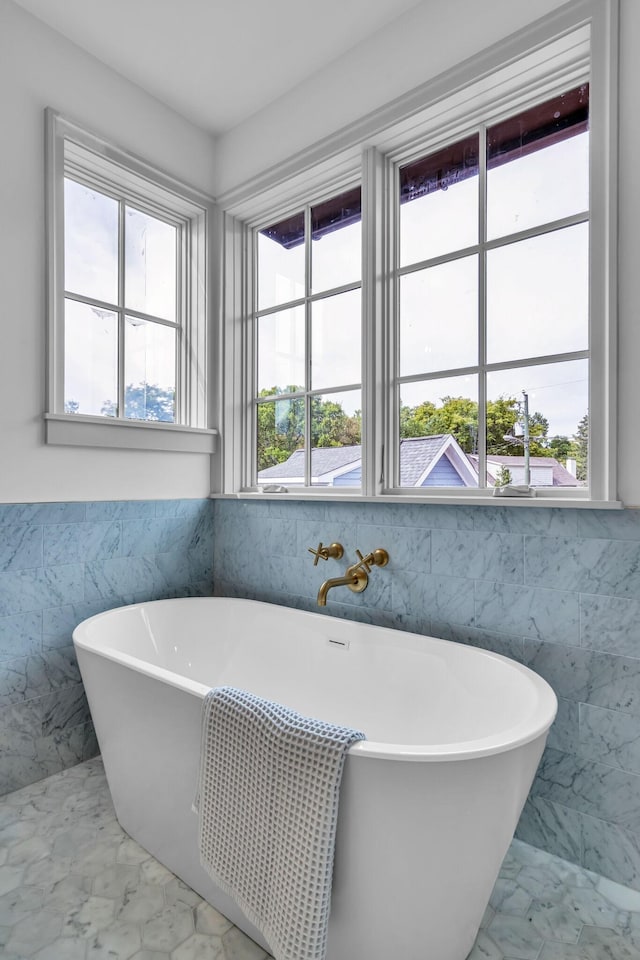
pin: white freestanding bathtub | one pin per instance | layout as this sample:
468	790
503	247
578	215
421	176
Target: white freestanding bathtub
429	801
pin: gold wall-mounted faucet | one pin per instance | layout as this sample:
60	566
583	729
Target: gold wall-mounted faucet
356	576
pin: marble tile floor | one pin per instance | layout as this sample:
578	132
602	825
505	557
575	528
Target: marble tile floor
74	886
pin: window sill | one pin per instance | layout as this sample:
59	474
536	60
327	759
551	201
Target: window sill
77	430
442	500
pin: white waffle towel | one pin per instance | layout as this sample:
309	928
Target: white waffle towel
268	808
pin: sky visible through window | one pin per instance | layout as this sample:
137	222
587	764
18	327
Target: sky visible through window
91	331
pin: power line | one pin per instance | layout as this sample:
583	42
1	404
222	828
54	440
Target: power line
565	383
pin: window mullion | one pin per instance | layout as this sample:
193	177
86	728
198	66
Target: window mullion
308	357
121	324
482	308
183	397
373	321
392	303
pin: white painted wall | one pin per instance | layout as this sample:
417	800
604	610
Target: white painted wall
39	68
419	45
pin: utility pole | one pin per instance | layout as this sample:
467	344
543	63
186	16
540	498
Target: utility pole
525	439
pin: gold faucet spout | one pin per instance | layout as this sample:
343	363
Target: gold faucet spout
356	581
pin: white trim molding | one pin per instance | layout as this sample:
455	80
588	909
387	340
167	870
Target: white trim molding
76	430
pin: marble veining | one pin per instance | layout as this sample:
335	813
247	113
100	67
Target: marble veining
34	676
574	616
534	612
611	567
552	522
20	635
610	624
20	546
120	510
565	731
479	556
77	542
73	886
59	564
407	546
590	677
612	849
141	538
41	513
557	589
591	788
609	524
552	827
28	590
610	737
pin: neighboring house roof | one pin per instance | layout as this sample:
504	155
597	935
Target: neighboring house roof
418	456
561	476
325	460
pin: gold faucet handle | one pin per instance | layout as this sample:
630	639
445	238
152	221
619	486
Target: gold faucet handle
334	550
377	557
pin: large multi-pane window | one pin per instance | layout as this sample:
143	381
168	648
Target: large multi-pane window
488	318
485	302
492	303
308	397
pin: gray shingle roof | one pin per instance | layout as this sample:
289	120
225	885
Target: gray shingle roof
416	455
324	460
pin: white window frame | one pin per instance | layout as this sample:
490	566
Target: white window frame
481	248
306	300
87	158
576	43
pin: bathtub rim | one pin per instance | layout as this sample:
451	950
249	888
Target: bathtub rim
510	739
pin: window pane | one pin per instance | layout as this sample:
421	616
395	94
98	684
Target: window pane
439	433
439	202
149	371
558	421
150	265
90	360
281	340
538	295
538	165
439	317
336	323
90	243
336	241
280	433
281	262
336	428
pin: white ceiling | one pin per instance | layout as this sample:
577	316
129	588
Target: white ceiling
217	62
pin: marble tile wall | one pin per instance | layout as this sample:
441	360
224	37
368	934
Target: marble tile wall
556	589
61	563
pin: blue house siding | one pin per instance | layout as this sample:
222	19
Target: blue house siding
351	479
444	474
